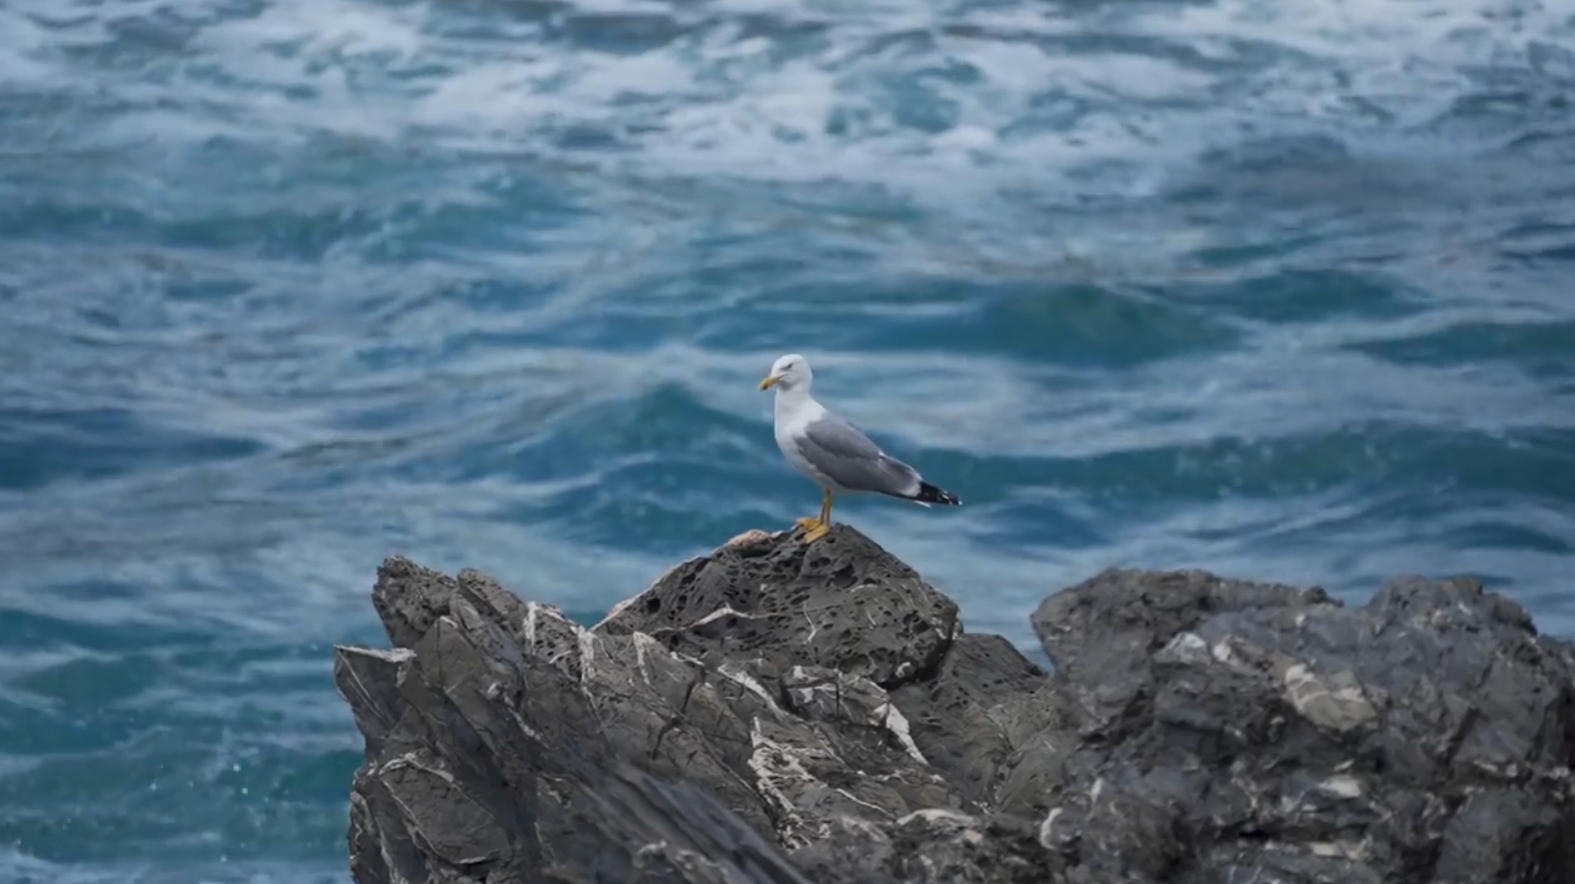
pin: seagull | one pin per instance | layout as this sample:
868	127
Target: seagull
834	453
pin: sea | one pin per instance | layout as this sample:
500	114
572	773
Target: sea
1282	290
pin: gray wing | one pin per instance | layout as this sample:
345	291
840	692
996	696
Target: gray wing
849	458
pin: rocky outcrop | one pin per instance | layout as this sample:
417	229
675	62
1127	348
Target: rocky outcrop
783	712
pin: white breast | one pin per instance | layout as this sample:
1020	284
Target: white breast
793	413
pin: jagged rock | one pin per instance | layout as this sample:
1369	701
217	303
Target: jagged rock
781	712
1204	730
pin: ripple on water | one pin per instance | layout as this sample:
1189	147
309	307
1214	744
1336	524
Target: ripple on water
39	448
1540	348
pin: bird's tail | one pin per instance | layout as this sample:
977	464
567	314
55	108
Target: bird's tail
930	494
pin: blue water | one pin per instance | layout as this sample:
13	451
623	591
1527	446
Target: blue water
1282	290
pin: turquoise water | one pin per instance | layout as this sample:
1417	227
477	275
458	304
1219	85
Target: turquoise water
1281	290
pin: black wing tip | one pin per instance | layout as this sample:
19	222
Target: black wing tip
930	494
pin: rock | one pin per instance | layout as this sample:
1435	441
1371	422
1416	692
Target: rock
842	603
1204	730
781	712
959	720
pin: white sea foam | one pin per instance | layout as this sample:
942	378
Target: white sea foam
1059	92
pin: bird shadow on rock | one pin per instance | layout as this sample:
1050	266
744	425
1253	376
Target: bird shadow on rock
782	711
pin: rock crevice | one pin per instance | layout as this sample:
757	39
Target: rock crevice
783	712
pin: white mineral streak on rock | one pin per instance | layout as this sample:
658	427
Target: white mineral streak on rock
1336	703
412	760
529	627
392	655
587	641
1343	785
894	721
1047	828
804	695
773	763
524	727
719	613
1344	848
1188	647
938	814
641	642
1222	651
880	811
747	682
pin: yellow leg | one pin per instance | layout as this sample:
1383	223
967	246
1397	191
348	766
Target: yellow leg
809	523
818	528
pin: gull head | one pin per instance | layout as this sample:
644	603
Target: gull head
790	372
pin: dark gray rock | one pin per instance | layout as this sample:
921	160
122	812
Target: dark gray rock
960	718
776	712
842	603
1255	732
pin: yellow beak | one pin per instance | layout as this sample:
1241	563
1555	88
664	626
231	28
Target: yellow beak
769	382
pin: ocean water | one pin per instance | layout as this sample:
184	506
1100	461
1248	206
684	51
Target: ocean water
1284	290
